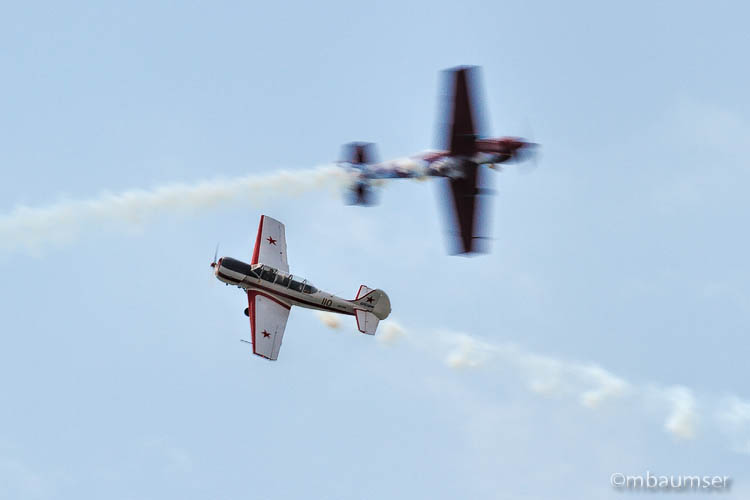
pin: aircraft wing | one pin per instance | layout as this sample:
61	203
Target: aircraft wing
466	205
270	244
267	323
461	127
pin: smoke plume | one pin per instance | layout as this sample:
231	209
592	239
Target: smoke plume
31	228
587	383
330	320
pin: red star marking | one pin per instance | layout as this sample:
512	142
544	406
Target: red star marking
266	334
369	300
271	241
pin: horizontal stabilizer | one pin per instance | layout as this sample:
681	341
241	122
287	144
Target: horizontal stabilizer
367	322
361	193
359	153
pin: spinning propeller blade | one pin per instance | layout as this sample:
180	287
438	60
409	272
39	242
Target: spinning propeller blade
527	157
216	254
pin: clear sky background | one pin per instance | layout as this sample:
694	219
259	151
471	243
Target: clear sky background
121	373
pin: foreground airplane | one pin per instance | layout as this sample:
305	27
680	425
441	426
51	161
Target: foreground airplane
464	152
272	291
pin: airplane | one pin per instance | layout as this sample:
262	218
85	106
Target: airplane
458	162
272	291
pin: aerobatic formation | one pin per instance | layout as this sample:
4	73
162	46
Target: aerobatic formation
272	291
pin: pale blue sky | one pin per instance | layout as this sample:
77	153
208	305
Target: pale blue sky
121	372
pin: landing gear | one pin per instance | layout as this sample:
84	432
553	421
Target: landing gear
247	312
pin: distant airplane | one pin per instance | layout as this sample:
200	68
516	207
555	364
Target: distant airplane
272	291
458	162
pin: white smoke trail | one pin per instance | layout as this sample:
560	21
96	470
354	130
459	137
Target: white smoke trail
682	421
330	320
544	375
734	418
391	332
30	228
590	384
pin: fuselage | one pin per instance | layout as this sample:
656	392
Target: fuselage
285	288
443	163
485	152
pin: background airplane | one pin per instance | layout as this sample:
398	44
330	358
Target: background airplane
272	291
463	152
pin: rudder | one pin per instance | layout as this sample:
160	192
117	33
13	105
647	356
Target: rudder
370	306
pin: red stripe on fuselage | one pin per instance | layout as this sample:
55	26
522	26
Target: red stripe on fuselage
270	293
297	299
267	291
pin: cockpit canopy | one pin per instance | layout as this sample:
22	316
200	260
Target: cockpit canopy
267	273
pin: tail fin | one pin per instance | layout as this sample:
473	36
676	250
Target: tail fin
370	307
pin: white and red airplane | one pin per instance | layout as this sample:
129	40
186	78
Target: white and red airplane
272	291
464	150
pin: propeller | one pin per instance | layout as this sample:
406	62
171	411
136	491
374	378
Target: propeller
216	254
524	158
527	156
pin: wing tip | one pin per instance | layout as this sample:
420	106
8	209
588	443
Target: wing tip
264	356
